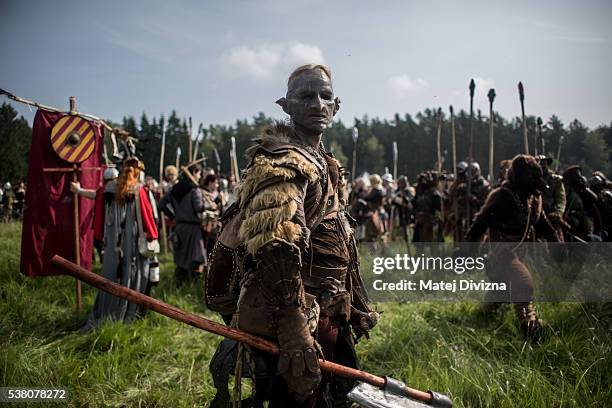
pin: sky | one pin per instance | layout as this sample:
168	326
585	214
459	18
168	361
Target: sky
219	61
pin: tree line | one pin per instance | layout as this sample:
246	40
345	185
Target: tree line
415	137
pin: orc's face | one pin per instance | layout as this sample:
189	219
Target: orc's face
310	101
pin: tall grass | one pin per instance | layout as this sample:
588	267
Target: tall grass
449	347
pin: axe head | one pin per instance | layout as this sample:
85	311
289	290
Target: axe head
369	396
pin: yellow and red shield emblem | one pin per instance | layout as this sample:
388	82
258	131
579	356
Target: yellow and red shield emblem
73	139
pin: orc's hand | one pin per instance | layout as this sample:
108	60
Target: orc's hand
362	322
298	362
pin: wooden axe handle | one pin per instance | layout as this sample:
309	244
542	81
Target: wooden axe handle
202	323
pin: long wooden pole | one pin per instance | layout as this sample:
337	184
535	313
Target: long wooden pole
438	143
52	109
75	216
161	175
491	96
453	140
525	135
162	152
189	145
199	322
468	220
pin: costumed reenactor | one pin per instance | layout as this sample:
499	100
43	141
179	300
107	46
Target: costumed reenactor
601	186
358	207
288	239
502	172
20	193
213	207
389	188
170	179
184	204
427	205
402	202
376	216
123	219
581	211
458	199
553	195
454	209
8	199
513	213
480	188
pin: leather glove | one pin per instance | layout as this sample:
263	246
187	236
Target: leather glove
363	322
298	362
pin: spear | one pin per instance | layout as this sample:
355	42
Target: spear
178	156
540	140
453	141
163	148
439	149
189	146
491	96
395	157
197	140
234	157
559	153
469	169
217	160
355	137
522	99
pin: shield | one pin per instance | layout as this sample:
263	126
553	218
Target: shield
73	139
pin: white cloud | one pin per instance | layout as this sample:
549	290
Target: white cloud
256	62
402	85
266	61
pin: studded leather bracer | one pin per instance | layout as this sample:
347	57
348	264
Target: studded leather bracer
278	265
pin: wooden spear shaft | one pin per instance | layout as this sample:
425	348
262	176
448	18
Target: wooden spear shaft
453	140
75	216
438	145
468	206
491	96
161	175
525	135
189	145
217	328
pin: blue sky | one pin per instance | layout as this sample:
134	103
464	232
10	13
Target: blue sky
222	61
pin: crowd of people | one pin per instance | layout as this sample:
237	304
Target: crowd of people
440	204
12	199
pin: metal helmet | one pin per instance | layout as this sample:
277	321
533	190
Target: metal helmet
111	173
462	167
7	186
596	183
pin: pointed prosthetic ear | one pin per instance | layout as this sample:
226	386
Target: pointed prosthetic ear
336	105
282	102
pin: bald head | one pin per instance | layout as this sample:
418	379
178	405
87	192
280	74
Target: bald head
310	100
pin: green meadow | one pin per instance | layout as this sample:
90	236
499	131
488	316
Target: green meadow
453	348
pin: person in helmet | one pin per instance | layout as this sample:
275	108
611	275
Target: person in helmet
8	199
601	186
553	195
466	195
581	211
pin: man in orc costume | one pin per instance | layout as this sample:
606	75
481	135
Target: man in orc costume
289	240
512	213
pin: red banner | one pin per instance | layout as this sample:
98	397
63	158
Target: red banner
48	227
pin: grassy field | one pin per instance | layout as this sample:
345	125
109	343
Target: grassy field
451	348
